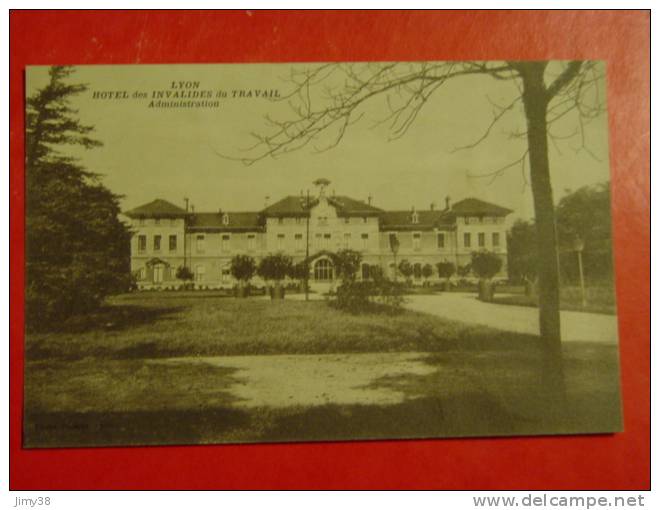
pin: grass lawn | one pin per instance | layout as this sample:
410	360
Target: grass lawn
105	379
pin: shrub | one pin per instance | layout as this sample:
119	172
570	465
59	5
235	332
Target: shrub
369	296
406	269
275	267
446	270
427	271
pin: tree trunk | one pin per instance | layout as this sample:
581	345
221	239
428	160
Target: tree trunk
535	101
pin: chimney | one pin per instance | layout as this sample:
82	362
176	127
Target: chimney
187	201
447	202
369	199
432	206
266	200
192	208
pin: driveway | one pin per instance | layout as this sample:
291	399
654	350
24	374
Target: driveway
465	307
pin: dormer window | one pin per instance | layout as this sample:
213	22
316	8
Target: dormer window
415	217
225	219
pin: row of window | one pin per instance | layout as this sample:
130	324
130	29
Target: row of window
157	240
481	239
474	220
321	220
322	241
158	221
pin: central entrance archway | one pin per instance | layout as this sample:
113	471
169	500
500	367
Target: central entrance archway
323	270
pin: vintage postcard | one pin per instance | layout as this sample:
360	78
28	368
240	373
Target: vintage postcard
307	252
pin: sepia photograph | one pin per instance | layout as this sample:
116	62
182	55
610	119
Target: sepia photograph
258	253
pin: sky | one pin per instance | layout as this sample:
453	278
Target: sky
172	153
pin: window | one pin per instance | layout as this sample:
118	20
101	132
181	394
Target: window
365	271
157	243
319	240
172	222
225	219
496	239
142	243
298	220
365	219
347	220
157	221
416	241
199	273
159	270
300	246
326	241
323	220
225	244
280	221
365	241
252	242
466	239
441	240
280	242
225	275
347	240
141	222
481	239
200	244
142	273
323	270
173	243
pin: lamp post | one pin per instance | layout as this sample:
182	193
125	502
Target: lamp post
578	246
305	265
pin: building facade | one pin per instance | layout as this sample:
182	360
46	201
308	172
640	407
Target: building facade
167	237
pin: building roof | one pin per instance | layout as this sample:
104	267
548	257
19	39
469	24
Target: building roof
236	221
426	220
476	207
157	209
297	206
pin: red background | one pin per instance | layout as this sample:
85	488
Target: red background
620	461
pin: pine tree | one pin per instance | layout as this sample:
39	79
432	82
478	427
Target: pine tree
77	250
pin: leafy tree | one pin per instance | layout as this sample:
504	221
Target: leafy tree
184	274
486	264
585	214
521	253
446	270
275	267
427	271
347	263
77	250
243	268
406	269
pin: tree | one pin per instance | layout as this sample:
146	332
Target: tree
300	272
77	250
446	270
327	99
184	274
427	272
347	263
521	255
485	265
406	269
275	268
242	268
585	214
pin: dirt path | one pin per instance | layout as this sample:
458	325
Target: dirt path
465	307
310	380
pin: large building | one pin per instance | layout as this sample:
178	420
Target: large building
167	236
